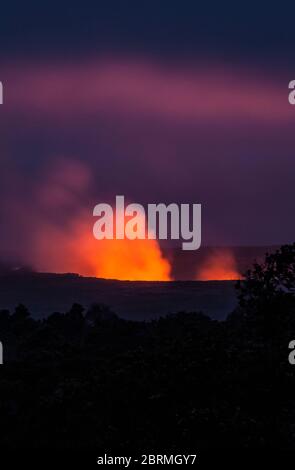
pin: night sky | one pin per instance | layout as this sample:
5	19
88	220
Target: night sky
161	102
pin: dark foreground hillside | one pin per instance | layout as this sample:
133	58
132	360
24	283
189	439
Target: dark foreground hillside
44	293
87	379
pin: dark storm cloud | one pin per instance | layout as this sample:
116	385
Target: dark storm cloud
177	101
252	30
203	134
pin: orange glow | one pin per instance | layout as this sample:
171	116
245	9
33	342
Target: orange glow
126	259
68	245
219	266
77	251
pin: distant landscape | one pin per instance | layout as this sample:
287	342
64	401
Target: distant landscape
45	293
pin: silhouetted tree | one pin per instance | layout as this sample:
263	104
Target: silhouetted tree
178	383
268	280
21	313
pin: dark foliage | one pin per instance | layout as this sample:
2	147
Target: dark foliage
92	380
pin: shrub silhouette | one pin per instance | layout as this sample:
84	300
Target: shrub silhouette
92	380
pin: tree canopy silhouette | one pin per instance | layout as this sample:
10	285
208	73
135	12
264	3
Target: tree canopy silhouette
89	379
